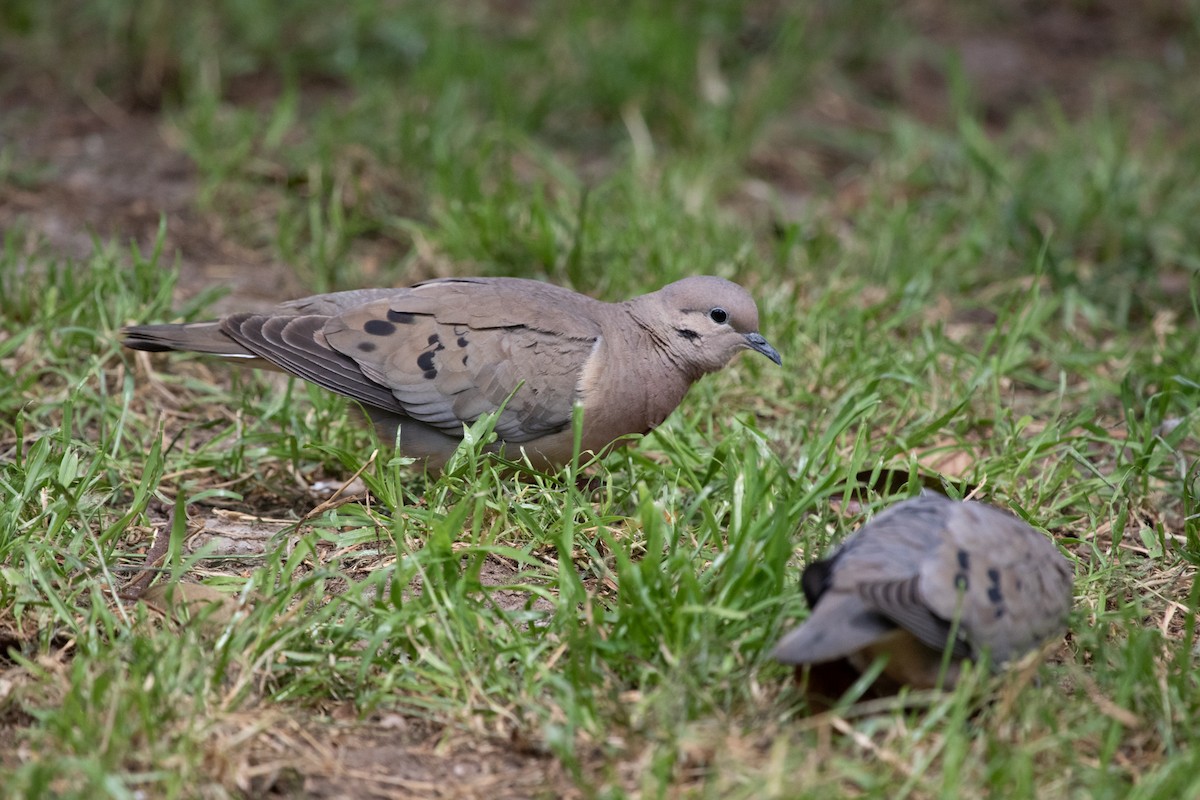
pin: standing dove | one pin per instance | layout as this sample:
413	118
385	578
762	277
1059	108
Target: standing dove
901	584
425	360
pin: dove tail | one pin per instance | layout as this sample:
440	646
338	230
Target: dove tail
198	337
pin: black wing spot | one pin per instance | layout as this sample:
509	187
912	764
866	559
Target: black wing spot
994	594
366	347
688	333
962	579
425	363
464	361
462	341
434	339
379	327
402	317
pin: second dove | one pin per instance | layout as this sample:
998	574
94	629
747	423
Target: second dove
926	575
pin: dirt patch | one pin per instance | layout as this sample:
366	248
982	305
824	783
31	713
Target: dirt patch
270	753
79	175
1015	53
392	756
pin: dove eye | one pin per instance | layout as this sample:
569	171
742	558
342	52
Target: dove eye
718	315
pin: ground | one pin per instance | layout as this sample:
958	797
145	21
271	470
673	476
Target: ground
117	164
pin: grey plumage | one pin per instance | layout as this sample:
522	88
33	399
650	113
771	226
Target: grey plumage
429	358
922	570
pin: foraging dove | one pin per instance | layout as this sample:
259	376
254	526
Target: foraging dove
429	358
898	585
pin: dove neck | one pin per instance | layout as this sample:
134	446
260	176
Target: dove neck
655	339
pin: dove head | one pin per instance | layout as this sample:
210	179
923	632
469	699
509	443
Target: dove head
708	321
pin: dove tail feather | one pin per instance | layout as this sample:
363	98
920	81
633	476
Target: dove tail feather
197	337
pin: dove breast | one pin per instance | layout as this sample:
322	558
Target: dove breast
928	575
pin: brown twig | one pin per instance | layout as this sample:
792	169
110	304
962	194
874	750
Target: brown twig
154	557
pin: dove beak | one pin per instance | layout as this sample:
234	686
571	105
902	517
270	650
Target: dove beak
758	344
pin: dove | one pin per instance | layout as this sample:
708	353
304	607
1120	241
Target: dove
925	575
426	360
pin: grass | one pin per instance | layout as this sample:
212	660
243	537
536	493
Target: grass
1005	303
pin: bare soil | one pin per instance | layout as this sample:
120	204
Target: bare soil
388	756
119	176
